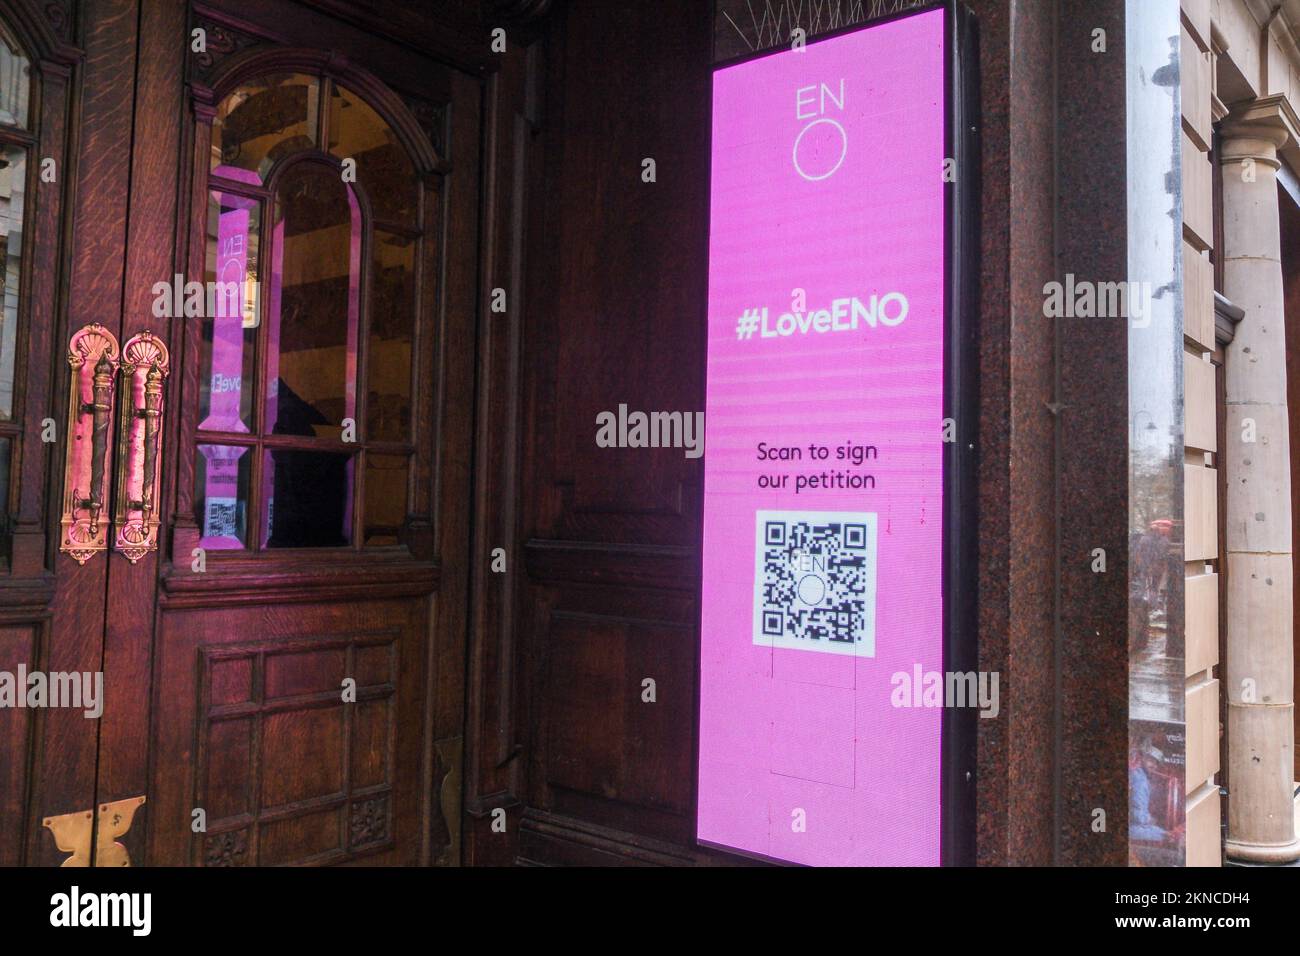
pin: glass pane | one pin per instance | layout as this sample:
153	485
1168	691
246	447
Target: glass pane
385	498
221	484
308	498
261	122
312	304
383	168
392	316
15	83
234	230
13	186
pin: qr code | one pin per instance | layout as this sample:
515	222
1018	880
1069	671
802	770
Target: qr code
221	520
815	581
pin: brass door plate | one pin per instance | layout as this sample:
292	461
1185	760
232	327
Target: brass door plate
114	820
72	833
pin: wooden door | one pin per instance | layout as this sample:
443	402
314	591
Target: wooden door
276	591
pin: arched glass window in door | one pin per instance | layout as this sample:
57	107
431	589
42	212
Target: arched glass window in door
16	139
305	420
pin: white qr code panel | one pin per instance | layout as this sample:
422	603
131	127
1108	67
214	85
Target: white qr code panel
815	581
221	518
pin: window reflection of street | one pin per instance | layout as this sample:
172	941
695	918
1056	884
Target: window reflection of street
1156	569
1157	739
1155	650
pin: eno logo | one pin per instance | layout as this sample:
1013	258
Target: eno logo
822	144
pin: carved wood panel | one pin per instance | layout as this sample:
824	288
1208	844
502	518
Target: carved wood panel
280	751
618	690
300	732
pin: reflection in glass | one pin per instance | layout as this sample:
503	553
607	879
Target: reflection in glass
1157	756
313	304
221	495
392	317
13	185
6	451
302	279
385	499
15	82
234	227
385	173
263	121
308	498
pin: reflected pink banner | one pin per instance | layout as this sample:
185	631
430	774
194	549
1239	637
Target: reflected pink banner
226	381
222	506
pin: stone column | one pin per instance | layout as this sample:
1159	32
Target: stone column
1259	686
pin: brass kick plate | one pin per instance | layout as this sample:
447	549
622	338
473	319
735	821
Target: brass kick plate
114	820
72	833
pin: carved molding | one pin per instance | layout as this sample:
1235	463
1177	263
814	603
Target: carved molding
432	118
368	821
1260	130
60	16
234	580
238	68
45	29
1226	317
222	42
226	849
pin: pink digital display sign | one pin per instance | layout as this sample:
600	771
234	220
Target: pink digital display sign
822	598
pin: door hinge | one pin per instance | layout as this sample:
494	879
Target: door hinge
73	832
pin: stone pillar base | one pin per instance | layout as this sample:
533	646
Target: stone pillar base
1263	853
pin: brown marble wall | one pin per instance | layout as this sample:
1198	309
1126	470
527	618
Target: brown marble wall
1014	801
1053	428
1092	492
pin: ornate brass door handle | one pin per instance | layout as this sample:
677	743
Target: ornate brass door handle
145	365
93	356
